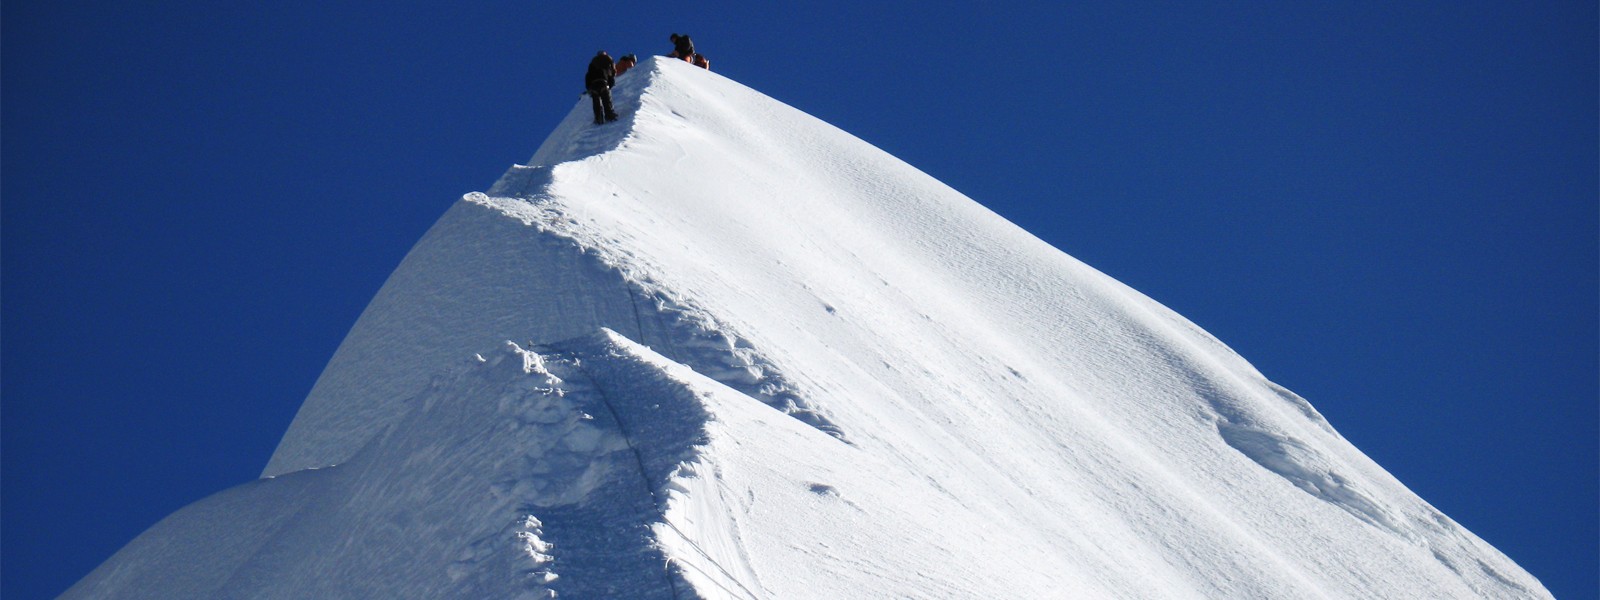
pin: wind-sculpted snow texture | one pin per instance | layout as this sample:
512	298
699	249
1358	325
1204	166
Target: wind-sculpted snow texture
720	349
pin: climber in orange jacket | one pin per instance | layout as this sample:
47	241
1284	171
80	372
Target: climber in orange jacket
626	62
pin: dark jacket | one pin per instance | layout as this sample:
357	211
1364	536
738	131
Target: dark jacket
602	73
683	47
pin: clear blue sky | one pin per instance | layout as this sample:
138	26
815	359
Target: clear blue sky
1390	208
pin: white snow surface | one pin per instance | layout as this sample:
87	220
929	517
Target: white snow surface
721	349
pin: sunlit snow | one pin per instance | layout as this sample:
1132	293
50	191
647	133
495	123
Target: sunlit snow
721	349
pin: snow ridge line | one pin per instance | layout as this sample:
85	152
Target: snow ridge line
605	375
695	338
578	137
638	456
668	487
692	336
570	486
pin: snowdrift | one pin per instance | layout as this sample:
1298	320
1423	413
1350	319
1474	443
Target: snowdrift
721	349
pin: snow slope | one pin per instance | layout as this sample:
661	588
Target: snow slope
721	349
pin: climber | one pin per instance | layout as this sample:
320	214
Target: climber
601	76
682	47
626	62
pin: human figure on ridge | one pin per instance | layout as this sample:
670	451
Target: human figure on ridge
626	62
601	77
682	47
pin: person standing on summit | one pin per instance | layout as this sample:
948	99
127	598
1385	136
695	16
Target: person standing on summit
601	76
682	47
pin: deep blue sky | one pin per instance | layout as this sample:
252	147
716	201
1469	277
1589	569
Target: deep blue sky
1391	210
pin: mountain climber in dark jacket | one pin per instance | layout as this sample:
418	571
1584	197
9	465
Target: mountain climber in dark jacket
601	76
682	47
626	62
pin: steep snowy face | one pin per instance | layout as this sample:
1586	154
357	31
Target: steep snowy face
755	357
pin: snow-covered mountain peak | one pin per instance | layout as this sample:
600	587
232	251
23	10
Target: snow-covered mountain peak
752	356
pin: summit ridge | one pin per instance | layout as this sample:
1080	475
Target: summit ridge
721	349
